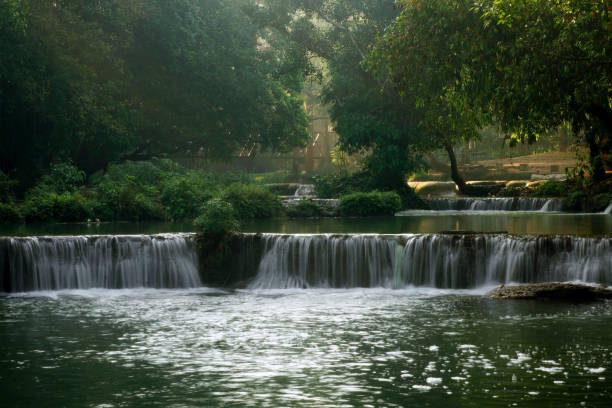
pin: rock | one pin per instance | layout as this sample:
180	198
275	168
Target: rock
516	183
535	184
557	177
552	291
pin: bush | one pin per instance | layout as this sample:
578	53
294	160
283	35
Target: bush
367	204
183	196
550	189
6	188
252	201
9	214
304	209
66	207
335	185
127	201
601	202
574	201
62	178
410	200
218	218
509	192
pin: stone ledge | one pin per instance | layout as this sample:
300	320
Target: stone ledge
552	291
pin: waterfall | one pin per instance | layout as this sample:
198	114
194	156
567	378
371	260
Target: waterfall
435	260
608	209
82	262
304	191
495	204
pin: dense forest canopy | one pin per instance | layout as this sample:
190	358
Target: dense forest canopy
98	81
95	82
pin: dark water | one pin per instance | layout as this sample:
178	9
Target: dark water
411	222
301	348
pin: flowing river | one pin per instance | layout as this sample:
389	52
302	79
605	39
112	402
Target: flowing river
335	316
301	348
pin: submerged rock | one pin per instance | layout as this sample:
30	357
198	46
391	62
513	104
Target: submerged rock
552	291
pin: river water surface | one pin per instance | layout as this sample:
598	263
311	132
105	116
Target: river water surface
302	348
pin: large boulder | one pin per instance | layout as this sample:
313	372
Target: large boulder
552	291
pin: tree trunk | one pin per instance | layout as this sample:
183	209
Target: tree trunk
455	175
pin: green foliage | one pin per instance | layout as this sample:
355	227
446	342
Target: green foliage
62	178
550	189
509	192
601	202
123	201
183	196
304	209
574	201
9	214
252	201
340	183
96	82
7	187
217	218
50	206
368	204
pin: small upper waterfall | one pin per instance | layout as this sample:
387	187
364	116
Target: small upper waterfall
436	260
608	209
82	262
495	204
304	191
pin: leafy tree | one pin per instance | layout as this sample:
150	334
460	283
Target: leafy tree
97	82
424	53
527	66
552	65
381	124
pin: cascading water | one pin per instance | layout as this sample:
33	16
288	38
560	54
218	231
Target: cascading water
82	262
495	204
435	260
304	190
608	209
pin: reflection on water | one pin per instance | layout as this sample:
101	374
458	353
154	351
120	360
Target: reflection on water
410	222
437	221
308	348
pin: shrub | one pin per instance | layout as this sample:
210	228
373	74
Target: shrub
140	172
550	189
218	218
6	188
574	201
9	214
338	184
601	202
127	201
366	204
509	192
183	196
410	199
65	207
62	178
304	209
252	201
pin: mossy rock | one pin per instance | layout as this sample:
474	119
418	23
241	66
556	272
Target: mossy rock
569	292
